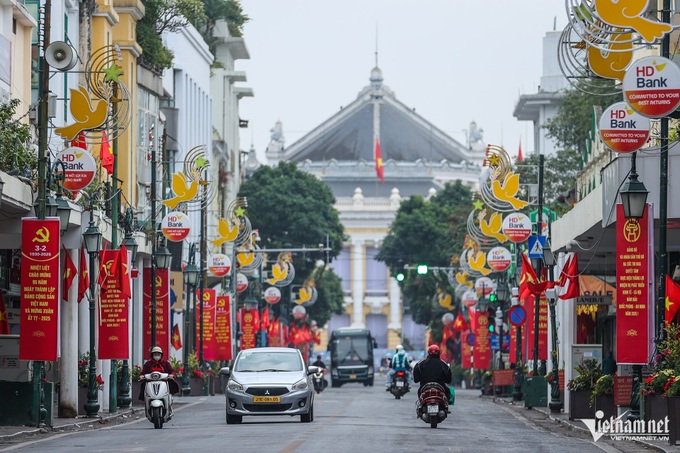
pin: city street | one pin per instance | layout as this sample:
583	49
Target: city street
350	418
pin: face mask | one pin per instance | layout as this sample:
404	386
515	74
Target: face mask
156	357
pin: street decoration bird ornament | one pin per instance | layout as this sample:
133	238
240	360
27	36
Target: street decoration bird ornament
612	61
444	298
499	185
477	262
307	294
632	14
227	231
88	113
280	269
183	188
464	279
492	227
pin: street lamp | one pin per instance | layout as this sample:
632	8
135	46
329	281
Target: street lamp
160	260
191	275
124	398
519	375
502	292
93	245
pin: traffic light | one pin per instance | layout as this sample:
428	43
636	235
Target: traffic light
493	298
400	277
491	327
422	269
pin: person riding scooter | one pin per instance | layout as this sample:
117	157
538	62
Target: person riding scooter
433	369
156	363
399	362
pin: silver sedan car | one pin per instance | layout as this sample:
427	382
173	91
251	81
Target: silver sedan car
269	381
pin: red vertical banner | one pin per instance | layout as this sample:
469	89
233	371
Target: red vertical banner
206	311
634	274
513	345
162	288
40	244
249	328
481	351
465	350
113	311
223	328
530	327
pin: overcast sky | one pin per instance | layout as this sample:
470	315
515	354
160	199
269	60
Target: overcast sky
454	61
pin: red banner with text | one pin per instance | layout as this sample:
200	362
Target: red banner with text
634	274
223	328
530	328
113	312
512	354
481	351
465	350
206	312
40	245
249	327
162	288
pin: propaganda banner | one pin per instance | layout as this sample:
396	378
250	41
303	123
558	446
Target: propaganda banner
206	311
530	328
465	350
634	275
249	328
162	288
481	351
223	328
113	311
40	245
512	354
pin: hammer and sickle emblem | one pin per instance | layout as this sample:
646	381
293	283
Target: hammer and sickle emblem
108	266
159	281
42	235
221	303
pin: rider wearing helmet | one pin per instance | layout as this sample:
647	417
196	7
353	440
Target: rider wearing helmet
399	362
156	363
433	369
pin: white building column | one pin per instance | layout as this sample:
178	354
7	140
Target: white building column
566	320
358	283
68	371
138	355
395	308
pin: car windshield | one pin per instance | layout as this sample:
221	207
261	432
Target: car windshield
268	361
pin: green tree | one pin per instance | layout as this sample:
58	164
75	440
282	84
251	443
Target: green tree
16	158
292	208
427	232
228	10
331	297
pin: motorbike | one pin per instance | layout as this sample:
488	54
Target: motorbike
399	385
157	399
432	405
319	381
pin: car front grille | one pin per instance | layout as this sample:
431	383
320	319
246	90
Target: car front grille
267	407
267	391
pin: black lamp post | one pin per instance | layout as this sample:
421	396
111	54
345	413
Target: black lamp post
191	275
93	245
160	260
124	398
519	374
502	292
555	398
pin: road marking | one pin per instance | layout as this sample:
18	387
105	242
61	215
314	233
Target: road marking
291	447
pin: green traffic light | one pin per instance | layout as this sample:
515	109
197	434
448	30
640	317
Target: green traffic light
493	297
400	277
422	269
491	328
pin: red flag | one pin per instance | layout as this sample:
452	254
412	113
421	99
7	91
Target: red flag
108	261
672	299
379	162
4	322
526	277
70	271
568	280
84	279
460	324
124	272
264	321
176	338
79	141
520	157
105	154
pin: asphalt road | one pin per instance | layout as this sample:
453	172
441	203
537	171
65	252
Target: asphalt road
352	418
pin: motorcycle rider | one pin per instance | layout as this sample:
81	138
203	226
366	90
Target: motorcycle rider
156	363
433	369
399	362
319	362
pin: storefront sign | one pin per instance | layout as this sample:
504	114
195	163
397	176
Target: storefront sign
113	312
623	129
162	288
205	330
40	245
634	275
223	328
80	167
652	86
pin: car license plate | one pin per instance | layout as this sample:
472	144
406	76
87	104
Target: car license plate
266	399
432	409
400	384
352	376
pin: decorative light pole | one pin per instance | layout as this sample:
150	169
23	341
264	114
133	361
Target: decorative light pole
502	295
634	198
93	245
191	275
124	398
519	374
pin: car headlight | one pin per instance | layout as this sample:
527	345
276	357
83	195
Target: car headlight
300	385
233	385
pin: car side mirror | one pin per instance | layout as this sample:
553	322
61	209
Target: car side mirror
312	369
225	371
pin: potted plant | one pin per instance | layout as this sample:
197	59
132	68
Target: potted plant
83	381
602	396
652	393
193	368
581	387
672	394
136	385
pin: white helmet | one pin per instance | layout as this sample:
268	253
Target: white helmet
399	348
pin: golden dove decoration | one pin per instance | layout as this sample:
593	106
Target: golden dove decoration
499	186
183	188
87	112
308	294
282	270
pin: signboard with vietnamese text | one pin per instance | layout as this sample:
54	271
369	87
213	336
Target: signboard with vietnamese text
176	226
205	323
249	327
465	350
162	288
634	275
113	312
40	245
223	328
530	328
481	351
79	167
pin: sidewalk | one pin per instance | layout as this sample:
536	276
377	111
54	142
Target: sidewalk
576	425
61	425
